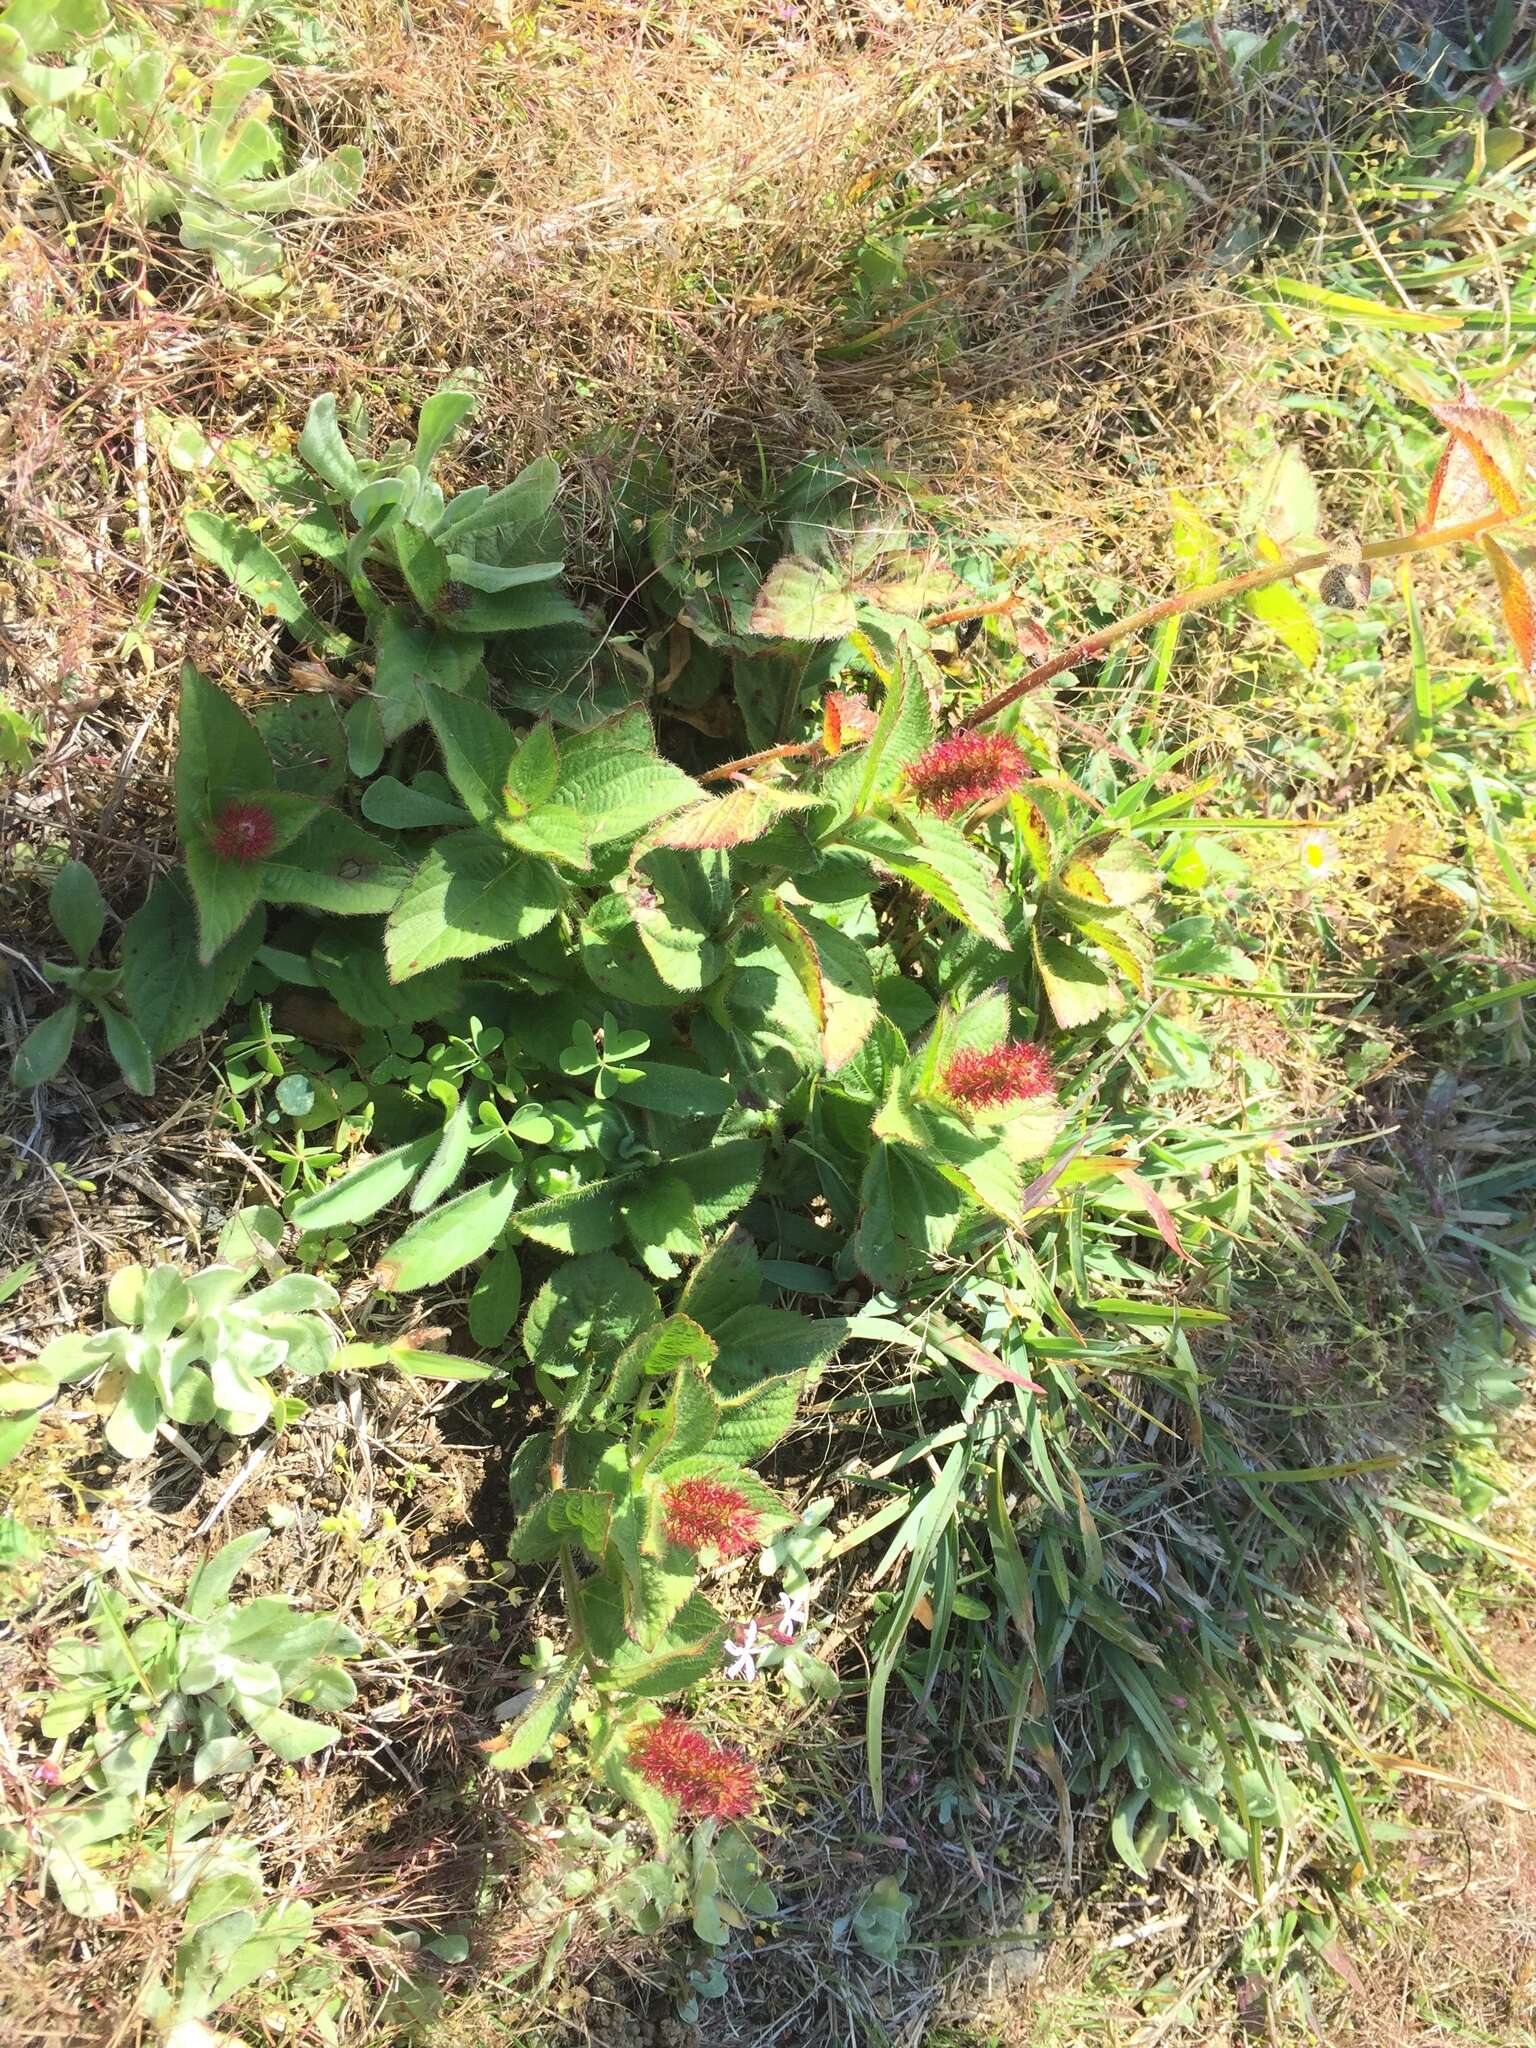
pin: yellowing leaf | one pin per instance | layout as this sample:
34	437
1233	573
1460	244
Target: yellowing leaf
1284	504
802	600
1482	467
1283	612
1196	543
1515	598
833	974
1076	986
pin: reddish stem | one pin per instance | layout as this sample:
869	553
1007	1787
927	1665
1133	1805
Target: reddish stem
1207	594
784	753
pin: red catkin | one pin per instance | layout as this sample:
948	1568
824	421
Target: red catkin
966	769
701	1514
1011	1072
242	831
705	1778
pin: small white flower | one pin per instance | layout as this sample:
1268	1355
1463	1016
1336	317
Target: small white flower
742	1653
1279	1158
794	1612
1319	856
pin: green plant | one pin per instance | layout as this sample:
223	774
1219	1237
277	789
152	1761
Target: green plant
80	914
828	957
189	1350
116	105
645	1480
19	736
181	1684
147	1712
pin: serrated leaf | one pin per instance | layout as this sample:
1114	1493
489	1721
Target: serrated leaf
613	775
532	609
1482	467
689	1651
751	1423
401	808
941	862
909	581
902	732
673	1090
219	754
336	866
583	1219
568	1515
225	893
716	824
509	512
805	601
540	1720
1515	601
677	902
1076	987
462	1230
757	1342
423	564
552	832
833	975
662	1222
469	896
308	748
171	993
478	749
412	654
721	1178
585	1314
907	1214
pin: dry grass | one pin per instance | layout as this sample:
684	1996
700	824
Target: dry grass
630	220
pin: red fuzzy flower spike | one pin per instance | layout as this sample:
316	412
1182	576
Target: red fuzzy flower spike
242	832
705	1778
701	1514
1011	1072
966	769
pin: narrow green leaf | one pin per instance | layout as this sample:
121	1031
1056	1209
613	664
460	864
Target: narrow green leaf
77	908
366	1189
126	1044
450	1237
45	1048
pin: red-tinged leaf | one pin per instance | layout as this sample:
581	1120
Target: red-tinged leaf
1037	1196
1515	597
1334	1955
965	1350
743	813
1482	467
1160	1213
846	718
1437	486
729	820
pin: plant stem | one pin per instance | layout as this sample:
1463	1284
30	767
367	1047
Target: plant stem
784	753
1204	595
